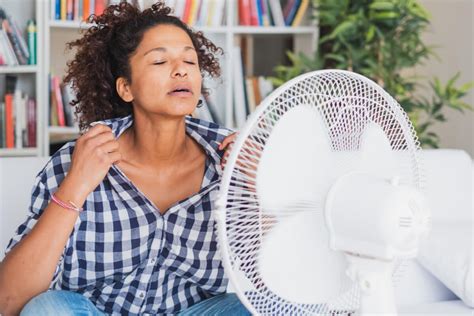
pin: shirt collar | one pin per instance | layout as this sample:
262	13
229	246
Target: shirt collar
193	129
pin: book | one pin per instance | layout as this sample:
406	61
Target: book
63	10
277	13
211	12
258	6
80	14
85	9
240	107
10	88
19	35
9	121
265	14
253	13
300	13
202	13
53	115
219	13
287	7
2	125
76	10
70	10
292	12
92	7
187	11
245	9
32	40
57	10
193	11
250	95
256	91
7	49
13	42
99	7
59	100
31	122
19	117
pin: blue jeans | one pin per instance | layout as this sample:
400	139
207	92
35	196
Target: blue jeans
65	303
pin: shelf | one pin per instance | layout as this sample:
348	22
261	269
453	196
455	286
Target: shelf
273	30
84	25
63	130
16	152
69	24
22	69
210	29
61	134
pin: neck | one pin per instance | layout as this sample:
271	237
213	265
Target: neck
157	140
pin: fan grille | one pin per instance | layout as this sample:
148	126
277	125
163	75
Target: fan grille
347	102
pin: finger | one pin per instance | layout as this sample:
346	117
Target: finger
115	157
96	129
100	139
228	149
229	139
110	146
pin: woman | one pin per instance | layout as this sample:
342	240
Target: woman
120	220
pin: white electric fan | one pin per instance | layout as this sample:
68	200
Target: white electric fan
320	199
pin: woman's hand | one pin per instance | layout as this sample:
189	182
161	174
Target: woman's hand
227	145
248	165
93	155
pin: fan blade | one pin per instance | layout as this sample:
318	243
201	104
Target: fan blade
377	156
294	164
296	263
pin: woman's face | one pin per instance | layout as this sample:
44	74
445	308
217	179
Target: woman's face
165	74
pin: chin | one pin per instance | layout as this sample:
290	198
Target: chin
182	109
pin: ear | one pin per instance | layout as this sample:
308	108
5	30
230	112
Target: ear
123	89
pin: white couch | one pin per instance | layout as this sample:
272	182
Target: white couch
428	284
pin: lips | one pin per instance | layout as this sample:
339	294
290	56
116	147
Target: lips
181	90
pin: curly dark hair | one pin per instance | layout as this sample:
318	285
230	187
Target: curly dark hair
103	55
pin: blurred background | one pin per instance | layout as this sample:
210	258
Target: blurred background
420	51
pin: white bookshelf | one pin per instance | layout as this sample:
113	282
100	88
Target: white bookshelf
29	76
52	35
19	152
22	69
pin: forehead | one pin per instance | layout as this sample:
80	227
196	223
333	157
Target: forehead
167	36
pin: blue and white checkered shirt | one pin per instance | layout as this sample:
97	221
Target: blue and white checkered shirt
123	254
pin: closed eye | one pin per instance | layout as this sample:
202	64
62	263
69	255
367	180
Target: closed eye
159	62
190	62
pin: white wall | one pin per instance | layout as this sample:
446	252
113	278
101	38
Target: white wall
452	31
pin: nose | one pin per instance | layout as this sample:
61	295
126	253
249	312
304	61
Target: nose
179	71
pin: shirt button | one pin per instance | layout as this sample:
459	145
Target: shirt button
142	295
153	260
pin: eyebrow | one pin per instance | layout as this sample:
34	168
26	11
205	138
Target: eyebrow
163	49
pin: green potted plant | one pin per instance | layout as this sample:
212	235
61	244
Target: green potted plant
381	39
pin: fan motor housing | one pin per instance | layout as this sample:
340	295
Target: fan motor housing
375	217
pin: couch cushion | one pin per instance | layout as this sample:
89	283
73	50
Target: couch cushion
448	254
415	285
449	186
444	308
17	175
